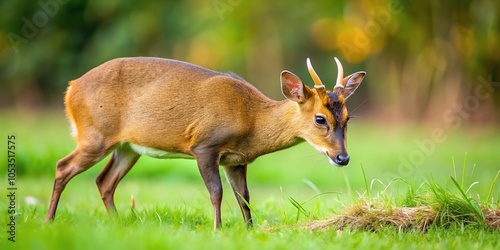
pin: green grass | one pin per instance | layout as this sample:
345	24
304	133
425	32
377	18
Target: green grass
164	218
289	189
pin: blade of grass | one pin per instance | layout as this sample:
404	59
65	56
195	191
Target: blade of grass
159	217
256	215
366	182
454	167
282	204
312	186
348	184
459	188
491	188
471	202
463	170
471	185
472	172
300	208
320	194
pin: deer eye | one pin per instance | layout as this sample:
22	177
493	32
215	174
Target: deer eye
320	120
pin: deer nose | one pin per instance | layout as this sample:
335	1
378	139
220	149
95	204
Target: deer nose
342	160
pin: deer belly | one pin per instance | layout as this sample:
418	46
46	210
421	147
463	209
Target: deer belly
156	153
230	159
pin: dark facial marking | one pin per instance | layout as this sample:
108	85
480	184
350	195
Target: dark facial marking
336	107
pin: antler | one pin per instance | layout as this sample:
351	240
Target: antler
314	76
340	74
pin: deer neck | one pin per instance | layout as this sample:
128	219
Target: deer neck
276	127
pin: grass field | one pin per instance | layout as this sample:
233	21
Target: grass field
173	208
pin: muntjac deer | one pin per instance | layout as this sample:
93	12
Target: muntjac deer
172	109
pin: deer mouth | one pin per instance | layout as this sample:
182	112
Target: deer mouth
332	162
339	160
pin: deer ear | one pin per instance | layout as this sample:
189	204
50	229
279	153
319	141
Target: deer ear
351	83
293	88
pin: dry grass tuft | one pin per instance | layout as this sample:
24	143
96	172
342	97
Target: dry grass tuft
374	217
492	218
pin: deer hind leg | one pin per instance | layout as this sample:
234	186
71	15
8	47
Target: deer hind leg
237	177
81	159
121	161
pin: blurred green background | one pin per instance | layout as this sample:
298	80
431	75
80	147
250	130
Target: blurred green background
422	57
431	93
